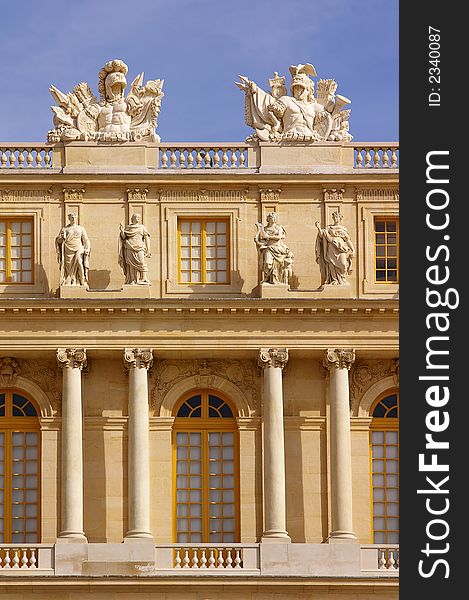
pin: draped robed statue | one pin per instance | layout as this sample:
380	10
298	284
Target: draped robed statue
73	251
134	249
334	252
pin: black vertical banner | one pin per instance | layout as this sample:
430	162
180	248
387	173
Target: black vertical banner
434	258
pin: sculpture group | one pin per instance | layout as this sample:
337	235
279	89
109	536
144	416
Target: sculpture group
73	252
301	117
115	118
305	115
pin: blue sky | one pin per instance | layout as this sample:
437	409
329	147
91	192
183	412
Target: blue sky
199	47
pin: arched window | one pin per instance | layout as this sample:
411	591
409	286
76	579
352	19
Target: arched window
19	469
384	444
206	470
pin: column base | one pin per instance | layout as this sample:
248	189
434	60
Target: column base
275	537
136	535
342	537
72	537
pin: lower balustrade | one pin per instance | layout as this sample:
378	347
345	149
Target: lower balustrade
380	557
207	559
26	559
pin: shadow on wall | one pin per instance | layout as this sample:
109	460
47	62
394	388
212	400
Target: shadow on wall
294	487
41	283
99	279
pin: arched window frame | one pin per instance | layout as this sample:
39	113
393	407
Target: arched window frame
384	424
205	424
9	425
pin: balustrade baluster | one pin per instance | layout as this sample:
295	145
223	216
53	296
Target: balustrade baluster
177	560
237	560
172	159
229	560
393	158
385	158
224	159
376	158
367	159
190	158
220	558
164	158
391	561
29	159
47	158
16	560
185	560
203	560
382	560
24	558
233	158
211	560
216	158
198	159
195	559
242	158
7	560
3	159
32	560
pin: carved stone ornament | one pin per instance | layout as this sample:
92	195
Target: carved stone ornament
137	195
275	258
241	373
114	118
338	358
333	194
270	195
73	358
300	117
73	194
366	373
203	195
134	249
25	195
44	373
138	358
9	371
334	252
276	358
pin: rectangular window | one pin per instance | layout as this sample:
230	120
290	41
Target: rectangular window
385	474
386	250
203	248
16	250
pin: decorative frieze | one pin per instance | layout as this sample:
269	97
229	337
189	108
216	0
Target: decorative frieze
75	358
203	195
338	358
377	195
25	195
137	194
366	373
272	357
73	194
168	373
138	358
9	371
333	194
270	194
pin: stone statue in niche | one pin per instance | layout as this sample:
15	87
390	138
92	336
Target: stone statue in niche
334	252
115	118
301	117
134	249
275	258
73	253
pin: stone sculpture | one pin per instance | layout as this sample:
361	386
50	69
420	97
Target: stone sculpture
73	253
334	252
301	117
115	118
134	249
275	258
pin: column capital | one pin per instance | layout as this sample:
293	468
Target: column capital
272	357
138	358
338	358
75	358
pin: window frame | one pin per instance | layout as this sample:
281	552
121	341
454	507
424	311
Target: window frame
206	425
203	249
383	424
10	424
386	219
8	219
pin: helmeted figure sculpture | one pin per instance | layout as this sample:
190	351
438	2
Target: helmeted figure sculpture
275	258
334	252
115	118
301	117
73	250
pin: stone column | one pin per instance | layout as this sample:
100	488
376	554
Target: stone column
338	363
137	362
272	361
72	361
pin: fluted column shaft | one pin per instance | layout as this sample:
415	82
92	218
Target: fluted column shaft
338	362
137	362
72	361
272	361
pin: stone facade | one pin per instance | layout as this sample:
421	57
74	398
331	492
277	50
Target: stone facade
300	361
